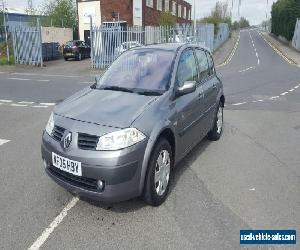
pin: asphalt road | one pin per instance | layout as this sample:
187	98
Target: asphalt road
248	179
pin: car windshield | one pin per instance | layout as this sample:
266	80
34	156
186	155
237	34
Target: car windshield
140	70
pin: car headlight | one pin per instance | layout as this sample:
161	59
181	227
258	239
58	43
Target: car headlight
50	125
120	139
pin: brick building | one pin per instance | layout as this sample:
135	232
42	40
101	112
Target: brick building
130	12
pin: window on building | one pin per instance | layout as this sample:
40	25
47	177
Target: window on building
174	7
179	10
184	12
149	3
167	5
159	5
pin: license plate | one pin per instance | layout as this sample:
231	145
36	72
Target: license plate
67	165
69	54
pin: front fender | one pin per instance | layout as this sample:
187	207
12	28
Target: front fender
154	136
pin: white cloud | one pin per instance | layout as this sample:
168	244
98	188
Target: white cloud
254	10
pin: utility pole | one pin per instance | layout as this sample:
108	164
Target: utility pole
6	36
195	21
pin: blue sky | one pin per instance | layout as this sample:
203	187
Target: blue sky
254	10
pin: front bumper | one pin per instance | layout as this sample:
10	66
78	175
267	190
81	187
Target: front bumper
119	170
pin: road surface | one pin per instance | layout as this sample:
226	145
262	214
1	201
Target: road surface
247	180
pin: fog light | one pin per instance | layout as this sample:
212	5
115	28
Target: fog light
100	185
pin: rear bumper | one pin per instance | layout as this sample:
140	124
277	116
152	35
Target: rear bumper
120	171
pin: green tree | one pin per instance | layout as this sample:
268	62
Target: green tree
219	14
284	17
60	13
167	19
244	23
235	25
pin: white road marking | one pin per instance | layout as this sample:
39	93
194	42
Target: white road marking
18	105
48	103
244	70
24	102
284	93
274	97
42	80
296	87
3	141
291	90
33	74
40	106
6	101
47	232
18	79
239	103
251	189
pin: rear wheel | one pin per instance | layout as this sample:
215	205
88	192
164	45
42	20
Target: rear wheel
66	58
157	181
217	129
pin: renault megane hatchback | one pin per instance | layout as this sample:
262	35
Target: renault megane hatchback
121	137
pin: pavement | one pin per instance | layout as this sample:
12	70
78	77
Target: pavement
247	180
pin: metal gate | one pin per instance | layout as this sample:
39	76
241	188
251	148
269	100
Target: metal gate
27	44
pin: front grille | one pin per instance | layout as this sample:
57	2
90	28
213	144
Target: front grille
58	133
79	181
87	142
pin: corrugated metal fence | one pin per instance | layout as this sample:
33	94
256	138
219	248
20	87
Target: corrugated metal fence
296	38
109	42
27	45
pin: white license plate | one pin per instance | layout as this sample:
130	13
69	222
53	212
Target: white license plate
69	54
67	165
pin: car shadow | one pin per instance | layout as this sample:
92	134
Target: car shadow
138	203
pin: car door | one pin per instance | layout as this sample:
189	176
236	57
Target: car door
186	105
207	91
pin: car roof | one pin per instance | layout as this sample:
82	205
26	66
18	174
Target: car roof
172	46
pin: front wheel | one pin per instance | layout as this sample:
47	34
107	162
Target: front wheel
157	181
217	129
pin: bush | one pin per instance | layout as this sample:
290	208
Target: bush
3	60
284	17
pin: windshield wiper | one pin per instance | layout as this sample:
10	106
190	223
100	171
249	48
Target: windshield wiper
149	93
117	88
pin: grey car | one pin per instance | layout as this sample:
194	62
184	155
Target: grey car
121	137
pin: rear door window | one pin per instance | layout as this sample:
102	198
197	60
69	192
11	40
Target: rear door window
211	66
203	64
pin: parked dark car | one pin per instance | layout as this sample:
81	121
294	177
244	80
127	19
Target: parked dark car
121	137
77	50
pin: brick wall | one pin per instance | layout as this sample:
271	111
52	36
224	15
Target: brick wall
125	10
124	7
151	15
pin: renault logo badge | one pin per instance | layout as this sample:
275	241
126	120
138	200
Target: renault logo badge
67	140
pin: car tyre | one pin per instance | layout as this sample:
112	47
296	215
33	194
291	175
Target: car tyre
157	181
66	58
217	130
79	57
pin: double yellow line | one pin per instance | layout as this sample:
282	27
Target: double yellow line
284	57
231	55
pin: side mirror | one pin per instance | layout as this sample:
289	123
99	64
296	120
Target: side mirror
187	88
97	81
